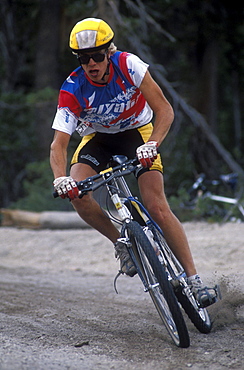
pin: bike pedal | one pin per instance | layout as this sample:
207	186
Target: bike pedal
212	300
125	241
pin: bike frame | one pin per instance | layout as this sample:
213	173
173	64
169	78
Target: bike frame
201	187
116	184
160	272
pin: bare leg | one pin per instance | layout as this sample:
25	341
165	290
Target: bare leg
88	209
152	192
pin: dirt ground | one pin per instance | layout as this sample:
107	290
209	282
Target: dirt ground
59	310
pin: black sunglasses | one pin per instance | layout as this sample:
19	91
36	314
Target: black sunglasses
97	57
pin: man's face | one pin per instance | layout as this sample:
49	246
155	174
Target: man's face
95	69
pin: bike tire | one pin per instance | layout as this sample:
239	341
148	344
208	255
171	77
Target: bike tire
160	290
198	316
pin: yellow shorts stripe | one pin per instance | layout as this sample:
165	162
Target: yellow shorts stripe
145	132
83	142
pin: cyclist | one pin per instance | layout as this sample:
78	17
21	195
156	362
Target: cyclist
110	100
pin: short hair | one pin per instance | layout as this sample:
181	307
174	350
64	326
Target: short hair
112	48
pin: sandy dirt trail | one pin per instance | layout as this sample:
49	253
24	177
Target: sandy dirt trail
59	310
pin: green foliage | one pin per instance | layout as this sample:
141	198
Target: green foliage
177	159
18	140
43	95
17	144
191	25
203	208
176	203
38	189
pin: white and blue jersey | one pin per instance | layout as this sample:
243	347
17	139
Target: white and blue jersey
119	105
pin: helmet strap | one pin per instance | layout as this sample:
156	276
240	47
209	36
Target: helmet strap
107	70
79	61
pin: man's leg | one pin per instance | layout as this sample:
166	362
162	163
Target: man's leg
88	209
152	191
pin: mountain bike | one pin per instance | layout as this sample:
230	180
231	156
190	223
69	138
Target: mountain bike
160	272
223	206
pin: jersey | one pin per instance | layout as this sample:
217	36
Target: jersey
119	105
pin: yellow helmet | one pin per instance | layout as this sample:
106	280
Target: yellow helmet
90	34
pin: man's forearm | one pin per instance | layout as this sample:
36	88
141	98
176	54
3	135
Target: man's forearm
58	162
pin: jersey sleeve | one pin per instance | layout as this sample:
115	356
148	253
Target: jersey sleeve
136	68
67	114
64	121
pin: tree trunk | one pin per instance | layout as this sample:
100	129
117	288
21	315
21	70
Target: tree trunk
47	67
205	98
196	118
47	64
236	110
105	12
12	56
200	123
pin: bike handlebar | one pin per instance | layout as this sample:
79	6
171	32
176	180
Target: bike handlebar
90	184
229	179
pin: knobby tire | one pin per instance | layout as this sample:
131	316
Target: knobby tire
198	316
163	296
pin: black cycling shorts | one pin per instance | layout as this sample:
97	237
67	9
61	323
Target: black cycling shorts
97	149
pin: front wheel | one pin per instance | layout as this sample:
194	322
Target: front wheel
156	282
198	316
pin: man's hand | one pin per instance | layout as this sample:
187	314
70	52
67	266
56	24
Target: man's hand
66	187
147	153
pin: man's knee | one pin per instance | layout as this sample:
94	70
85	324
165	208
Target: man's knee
159	212
81	204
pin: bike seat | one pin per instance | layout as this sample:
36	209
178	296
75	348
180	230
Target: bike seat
229	179
118	158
